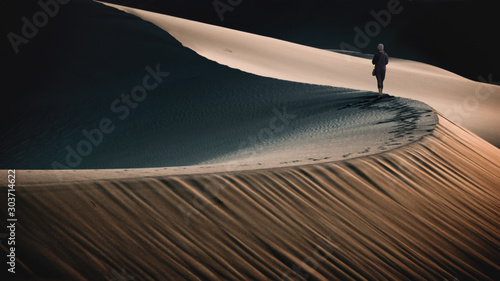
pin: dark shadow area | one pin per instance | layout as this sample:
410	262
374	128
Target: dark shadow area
455	35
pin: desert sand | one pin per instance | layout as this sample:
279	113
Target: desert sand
427	209
472	104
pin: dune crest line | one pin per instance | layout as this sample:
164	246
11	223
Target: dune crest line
427	210
279	59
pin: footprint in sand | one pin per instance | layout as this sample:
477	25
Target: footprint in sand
393	144
365	151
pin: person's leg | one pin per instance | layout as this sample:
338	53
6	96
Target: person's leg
380	81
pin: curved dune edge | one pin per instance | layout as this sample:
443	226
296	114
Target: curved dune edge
473	104
428	210
377	126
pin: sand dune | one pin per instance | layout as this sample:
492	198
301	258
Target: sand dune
428	210
202	112
324	128
472	104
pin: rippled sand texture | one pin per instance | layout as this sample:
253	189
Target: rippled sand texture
442	90
429	210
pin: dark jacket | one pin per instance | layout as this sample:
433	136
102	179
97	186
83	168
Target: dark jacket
380	60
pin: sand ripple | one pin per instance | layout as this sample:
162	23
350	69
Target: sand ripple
429	210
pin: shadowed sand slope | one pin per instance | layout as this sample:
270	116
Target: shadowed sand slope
198	112
429	210
472	104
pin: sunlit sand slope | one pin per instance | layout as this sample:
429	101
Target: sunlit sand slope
472	104
429	210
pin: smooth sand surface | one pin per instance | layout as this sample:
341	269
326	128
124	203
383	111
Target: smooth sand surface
471	104
428	210
322	128
201	113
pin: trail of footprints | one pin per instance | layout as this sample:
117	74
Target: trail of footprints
406	119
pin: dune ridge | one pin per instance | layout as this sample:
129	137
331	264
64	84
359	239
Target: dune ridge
201	112
428	210
472	104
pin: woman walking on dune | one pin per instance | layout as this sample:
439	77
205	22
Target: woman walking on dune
380	60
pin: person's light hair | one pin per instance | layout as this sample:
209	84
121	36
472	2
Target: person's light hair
380	47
